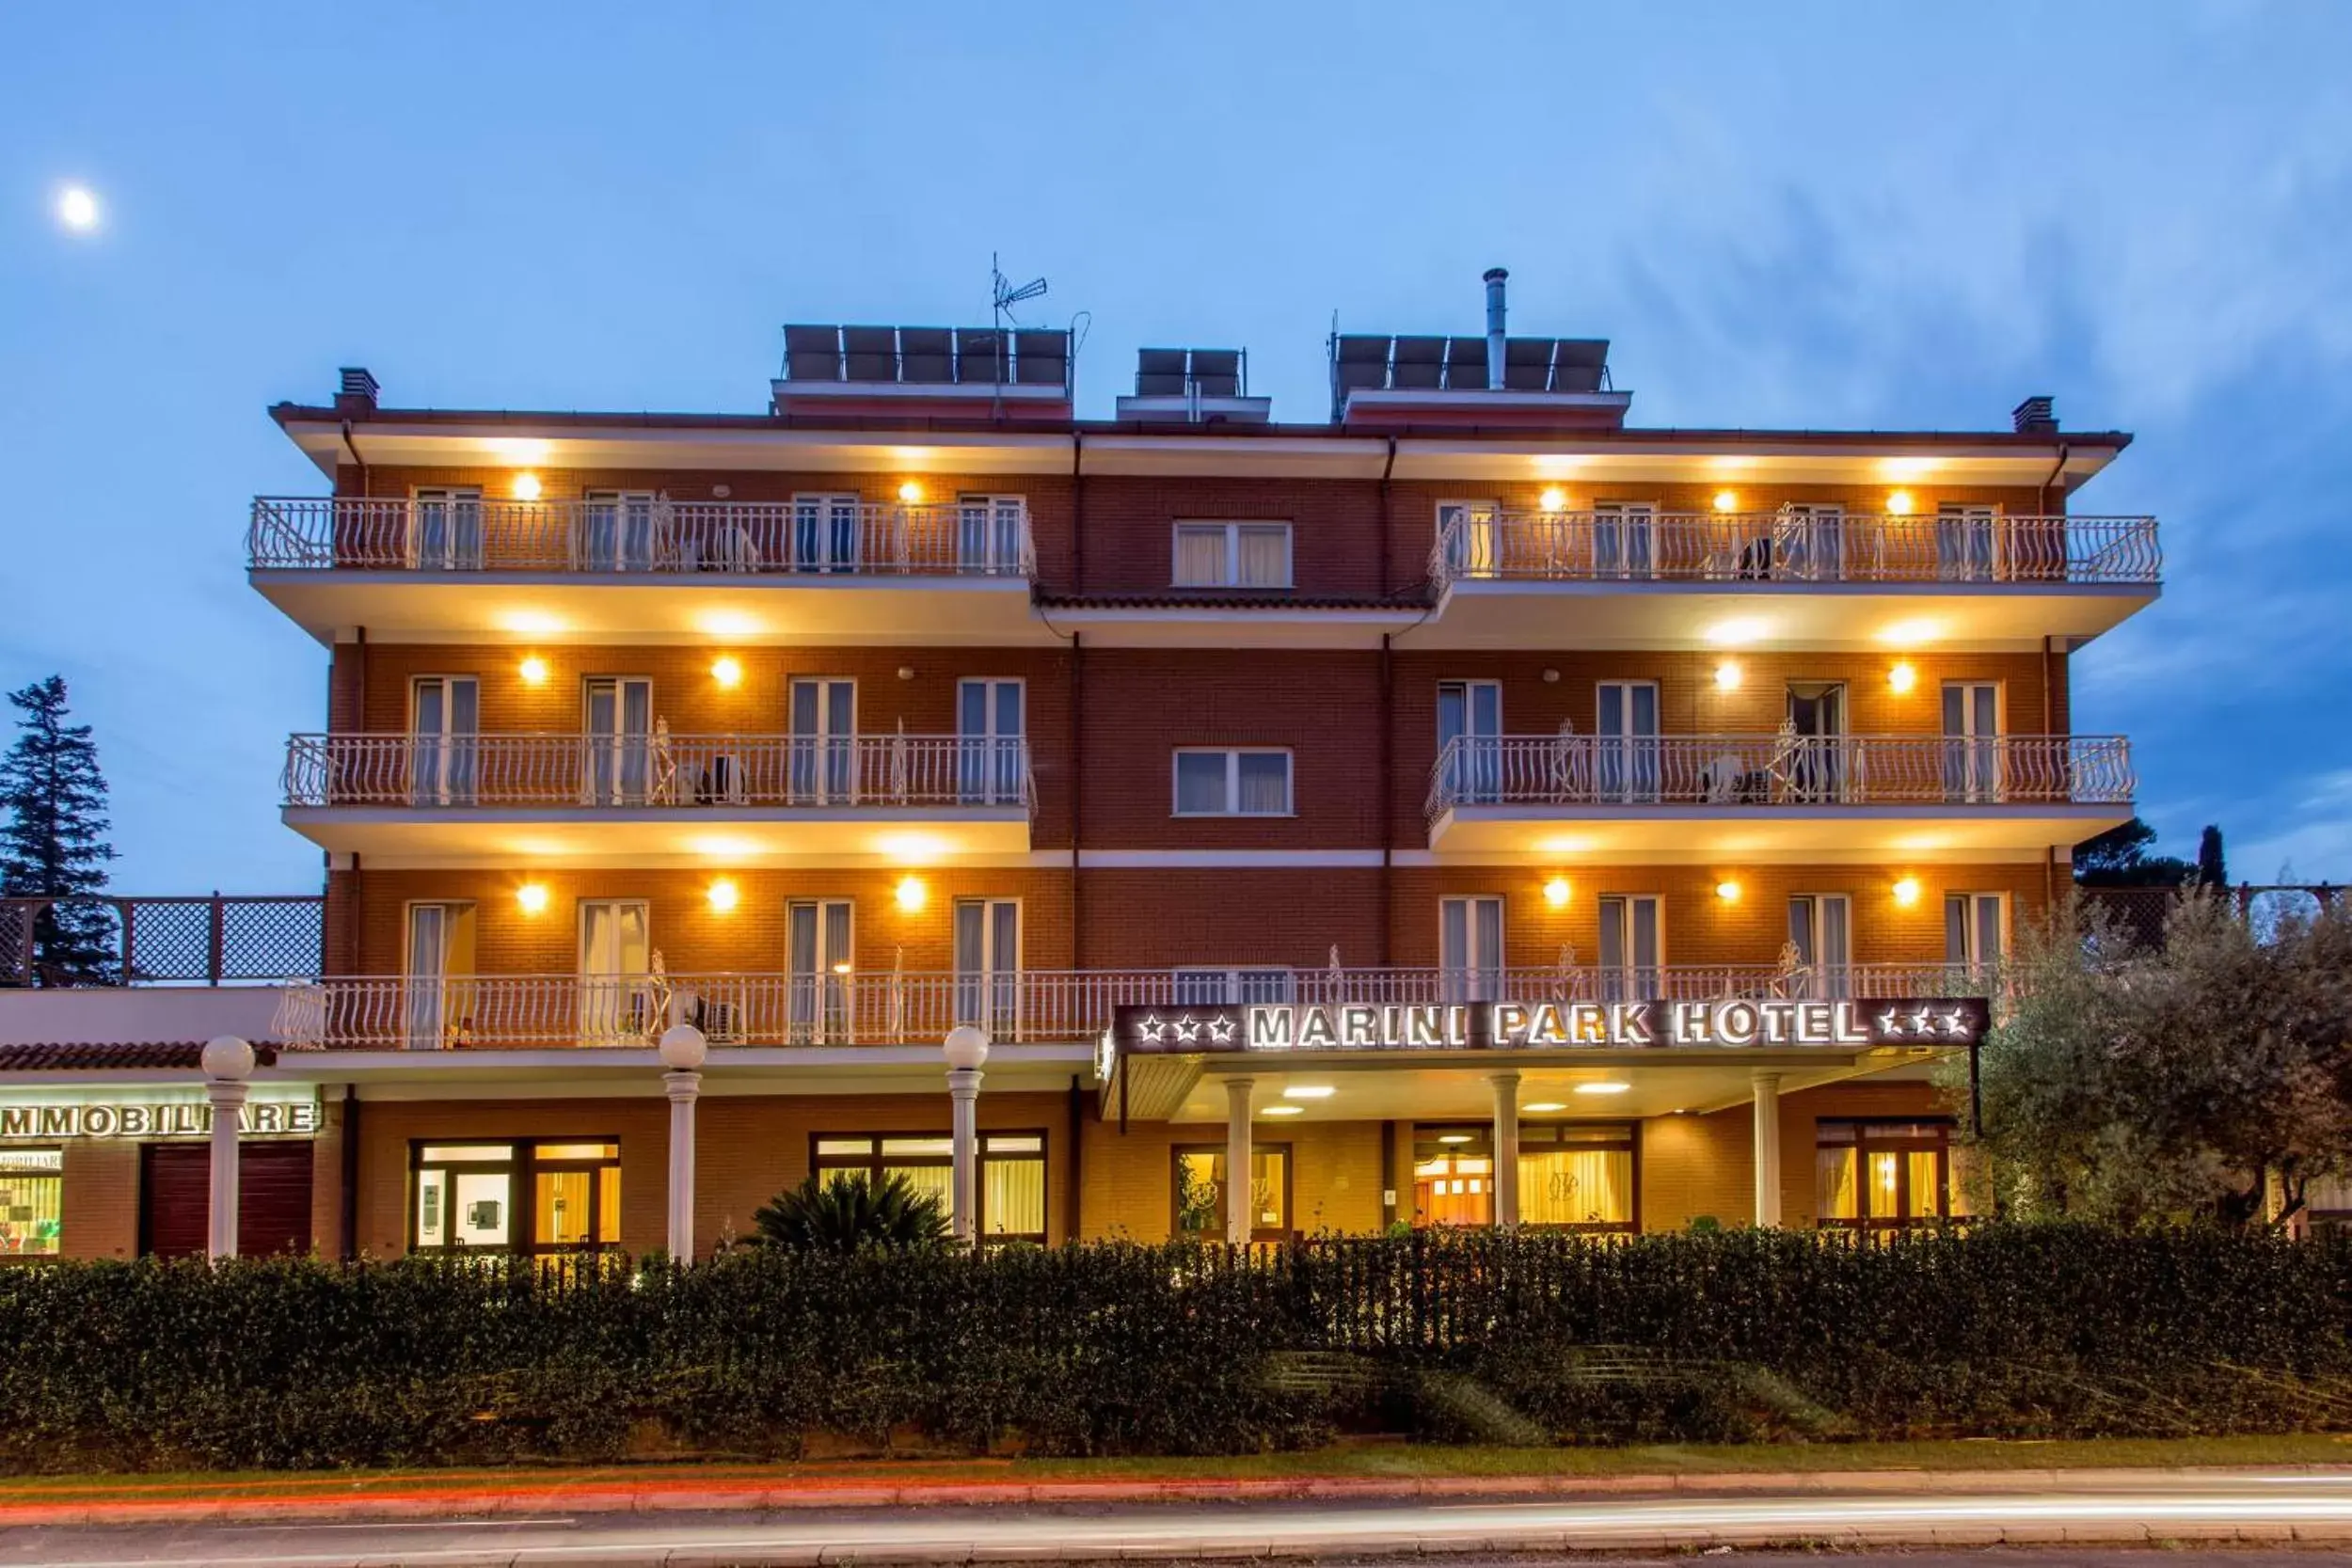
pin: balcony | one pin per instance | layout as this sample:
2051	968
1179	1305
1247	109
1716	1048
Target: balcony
455	799
1775	797
592	569
470	1013
1634	578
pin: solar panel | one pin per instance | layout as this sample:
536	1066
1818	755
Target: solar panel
870	352
1417	363
1527	364
1466	364
979	355
923	359
1577	364
1041	358
1160	373
812	353
1217	371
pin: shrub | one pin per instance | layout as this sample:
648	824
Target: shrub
845	1212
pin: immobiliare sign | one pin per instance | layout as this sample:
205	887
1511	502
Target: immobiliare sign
148	1118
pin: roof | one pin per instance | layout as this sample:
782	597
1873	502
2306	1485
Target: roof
161	1055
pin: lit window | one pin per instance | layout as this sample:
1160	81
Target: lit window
1874	1174
549	1196
1013	1174
1200	1193
1232	555
1232	783
32	1202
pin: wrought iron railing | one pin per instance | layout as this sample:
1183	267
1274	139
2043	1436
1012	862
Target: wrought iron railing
1734	770
1791	547
456	771
206	940
1030	1006
640	535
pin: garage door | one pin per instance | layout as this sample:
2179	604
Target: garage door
272	1198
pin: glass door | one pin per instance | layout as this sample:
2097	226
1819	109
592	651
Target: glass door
1968	542
445	529
1811	543
1467	536
988	964
988	535
824	741
1632	969
617	530
620	739
1625	539
1625	761
990	764
1814	764
444	718
1470	739
1972	740
1975	927
436	1011
825	532
1469	949
615	995
1820	930
823	963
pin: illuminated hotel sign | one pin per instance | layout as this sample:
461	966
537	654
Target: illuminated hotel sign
1770	1024
171	1119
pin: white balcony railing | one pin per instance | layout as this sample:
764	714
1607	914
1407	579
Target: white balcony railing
1734	770
1783	547
1065	1007
455	772
640	535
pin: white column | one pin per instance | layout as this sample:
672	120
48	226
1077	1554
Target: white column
1767	1150
1506	1176
966	1048
228	1061
1240	1219
683	1089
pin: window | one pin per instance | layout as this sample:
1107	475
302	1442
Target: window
1632	947
1572	1176
439	1000
1469	948
1467	538
32	1202
826	531
1232	783
1200	1193
988	964
822	964
616	530
1211	988
991	765
1810	542
1012	1173
989	530
1820	930
1881	1173
1232	555
444	721
824	718
1975	927
1470	739
445	529
617	711
532	1197
1625	539
1625	752
1972	740
617	995
1968	542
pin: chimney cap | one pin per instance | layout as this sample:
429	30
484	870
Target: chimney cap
357	389
1496	275
2038	413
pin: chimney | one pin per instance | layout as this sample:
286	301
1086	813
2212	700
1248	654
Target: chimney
358	393
2036	416
1495	280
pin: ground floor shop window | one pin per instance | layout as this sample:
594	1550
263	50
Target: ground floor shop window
1881	1173
1013	1174
32	1202
529	1197
1199	1187
1572	1176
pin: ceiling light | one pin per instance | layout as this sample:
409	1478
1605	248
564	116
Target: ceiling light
530	622
1453	1137
533	897
1910	634
526	487
1603	1088
535	671
1540	1106
727	671
727	622
1283	1111
724	895
1309	1091
1736	632
1557	891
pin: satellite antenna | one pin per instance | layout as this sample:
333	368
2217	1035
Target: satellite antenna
1003	296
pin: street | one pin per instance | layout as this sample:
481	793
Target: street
2271	1510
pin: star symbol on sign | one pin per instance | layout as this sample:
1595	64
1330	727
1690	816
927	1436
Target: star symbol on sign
1922	1020
1151	1028
1890	1023
1956	1023
1187	1029
1221	1030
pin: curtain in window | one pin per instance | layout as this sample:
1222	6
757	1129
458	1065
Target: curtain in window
1266	558
937	1181
1266	783
1200	557
1834	1184
1592	1187
1201	780
1013	1197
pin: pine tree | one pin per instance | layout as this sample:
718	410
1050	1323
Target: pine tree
53	842
2212	870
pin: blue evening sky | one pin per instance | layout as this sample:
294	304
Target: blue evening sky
1824	215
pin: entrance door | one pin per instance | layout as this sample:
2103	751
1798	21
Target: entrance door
272	1198
1972	740
989	760
1632	968
1469	949
1815	768
824	741
620	740
988	964
1821	928
616	533
1625	758
615	998
1470	739
444	719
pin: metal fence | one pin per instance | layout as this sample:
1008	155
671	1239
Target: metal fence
215	940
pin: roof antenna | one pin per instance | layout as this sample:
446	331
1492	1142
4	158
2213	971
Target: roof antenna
1003	296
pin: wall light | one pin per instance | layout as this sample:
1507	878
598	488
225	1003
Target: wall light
1556	893
525	487
1728	675
533	897
910	492
1902	677
723	895
535	671
1603	1088
911	893
1726	500
727	671
1727	891
1898	503
1553	499
1907	892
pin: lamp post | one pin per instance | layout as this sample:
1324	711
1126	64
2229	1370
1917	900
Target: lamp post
227	1062
966	1048
683	1050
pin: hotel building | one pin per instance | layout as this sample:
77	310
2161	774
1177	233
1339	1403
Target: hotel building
1284	797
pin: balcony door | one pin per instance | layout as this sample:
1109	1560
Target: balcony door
1625	755
1813	765
1470	739
826	531
824	741
1631	948
615	965
1975	930
1968	542
1625	539
616	530
618	766
1469	949
988	535
1820	930
990	764
988	964
821	959
1809	542
445	529
1469	537
444	724
1972	740
437	1009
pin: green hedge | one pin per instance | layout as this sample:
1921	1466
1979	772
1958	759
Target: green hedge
2004	1330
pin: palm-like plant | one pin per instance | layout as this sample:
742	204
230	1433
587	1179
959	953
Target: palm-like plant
847	1214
